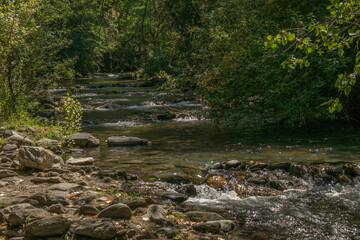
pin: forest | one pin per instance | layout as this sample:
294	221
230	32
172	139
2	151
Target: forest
251	62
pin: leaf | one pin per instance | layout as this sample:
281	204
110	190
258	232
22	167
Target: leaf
347	90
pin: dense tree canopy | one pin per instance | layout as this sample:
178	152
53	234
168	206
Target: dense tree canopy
250	61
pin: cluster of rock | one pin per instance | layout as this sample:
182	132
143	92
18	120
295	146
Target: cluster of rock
44	197
268	179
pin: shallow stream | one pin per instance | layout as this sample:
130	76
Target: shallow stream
183	145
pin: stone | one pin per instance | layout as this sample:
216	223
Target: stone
7	173
66	187
40	180
47	227
225	225
216	181
277	185
232	164
125	141
131	202
19	213
87	210
9	147
37	157
213	227
80	161
9	201
116	211
155	212
189	190
18	140
56	208
203	216
84	140
176	197
96	228
168	231
9	133
282	165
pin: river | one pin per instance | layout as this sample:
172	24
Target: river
184	144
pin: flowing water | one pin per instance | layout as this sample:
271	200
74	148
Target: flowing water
184	145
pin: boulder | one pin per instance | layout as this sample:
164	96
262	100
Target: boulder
203	216
155	212
37	157
84	140
19	213
47	227
18	140
87	210
131	202
96	228
119	141
9	147
80	161
116	211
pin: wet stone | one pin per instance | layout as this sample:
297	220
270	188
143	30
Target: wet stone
232	164
118	141
84	140
216	181
225	225
81	161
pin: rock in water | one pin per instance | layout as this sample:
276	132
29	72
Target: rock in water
80	161
116	211
47	227
37	157
125	141
84	140
96	228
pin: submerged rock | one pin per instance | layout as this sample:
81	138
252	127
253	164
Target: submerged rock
118	141
80	161
84	140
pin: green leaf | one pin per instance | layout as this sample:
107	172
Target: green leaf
347	90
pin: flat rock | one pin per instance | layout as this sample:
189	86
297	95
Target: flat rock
176	197
125	141
66	187
116	211
40	180
47	227
56	208
9	201
96	228
203	216
85	140
80	161
168	231
38	157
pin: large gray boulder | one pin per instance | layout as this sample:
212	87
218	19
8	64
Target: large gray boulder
119	141
47	227
96	228
38	157
84	140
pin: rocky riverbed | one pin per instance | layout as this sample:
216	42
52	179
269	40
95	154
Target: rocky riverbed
43	196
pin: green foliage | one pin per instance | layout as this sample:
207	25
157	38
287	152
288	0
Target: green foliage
70	115
336	38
